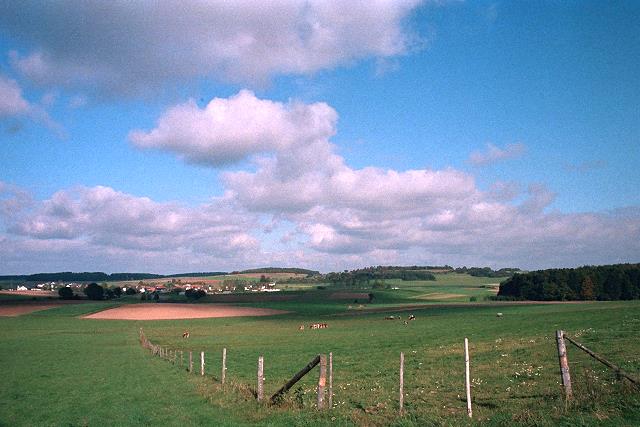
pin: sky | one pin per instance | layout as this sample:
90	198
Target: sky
186	136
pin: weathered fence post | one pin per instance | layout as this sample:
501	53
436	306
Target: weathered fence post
190	361
202	363
181	358
330	380
401	383
467	376
564	364
322	380
260	388
619	372
224	365
295	379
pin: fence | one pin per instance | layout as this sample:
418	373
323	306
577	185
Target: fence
320	360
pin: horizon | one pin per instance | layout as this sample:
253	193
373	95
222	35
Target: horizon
330	136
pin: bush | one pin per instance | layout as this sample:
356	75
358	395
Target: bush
65	293
94	291
131	291
194	294
117	291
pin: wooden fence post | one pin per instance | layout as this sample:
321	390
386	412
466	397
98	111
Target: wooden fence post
202	363
619	372
295	379
564	364
467	376
181	358
401	383
190	361
224	365
260	388
322	380
330	380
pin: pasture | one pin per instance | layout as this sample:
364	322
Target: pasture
61	369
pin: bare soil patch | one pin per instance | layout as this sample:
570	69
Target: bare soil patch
439	296
272	276
179	311
13	310
349	295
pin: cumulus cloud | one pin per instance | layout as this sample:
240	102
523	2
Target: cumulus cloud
230	130
494	154
411	216
102	220
124	46
318	211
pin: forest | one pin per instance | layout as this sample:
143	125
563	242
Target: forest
606	283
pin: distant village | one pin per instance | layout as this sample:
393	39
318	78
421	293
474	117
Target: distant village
174	286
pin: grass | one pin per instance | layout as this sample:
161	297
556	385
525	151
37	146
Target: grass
62	370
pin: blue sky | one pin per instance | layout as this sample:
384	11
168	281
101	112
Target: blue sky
467	133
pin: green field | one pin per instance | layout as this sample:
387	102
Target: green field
63	370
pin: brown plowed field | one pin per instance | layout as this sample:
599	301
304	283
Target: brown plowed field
12	310
179	311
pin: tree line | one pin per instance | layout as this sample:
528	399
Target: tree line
377	275
606	283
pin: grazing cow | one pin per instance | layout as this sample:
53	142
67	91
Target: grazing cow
318	326
406	323
499	315
185	334
301	328
412	317
392	318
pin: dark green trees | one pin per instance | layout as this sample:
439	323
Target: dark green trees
607	282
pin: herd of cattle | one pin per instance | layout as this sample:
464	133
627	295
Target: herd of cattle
185	334
324	325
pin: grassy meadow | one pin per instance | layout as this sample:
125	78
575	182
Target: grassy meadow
64	370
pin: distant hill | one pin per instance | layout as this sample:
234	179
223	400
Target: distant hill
68	276
201	274
277	270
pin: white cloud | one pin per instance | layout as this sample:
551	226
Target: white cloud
230	130
495	154
103	220
11	101
14	105
301	203
126	46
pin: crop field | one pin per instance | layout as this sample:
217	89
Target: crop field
61	369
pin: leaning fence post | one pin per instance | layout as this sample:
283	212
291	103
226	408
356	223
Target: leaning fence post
260	388
224	364
401	383
202	363
564	364
190	361
322	379
330	380
467	376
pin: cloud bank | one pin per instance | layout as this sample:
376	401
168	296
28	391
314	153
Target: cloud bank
129	46
299	202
